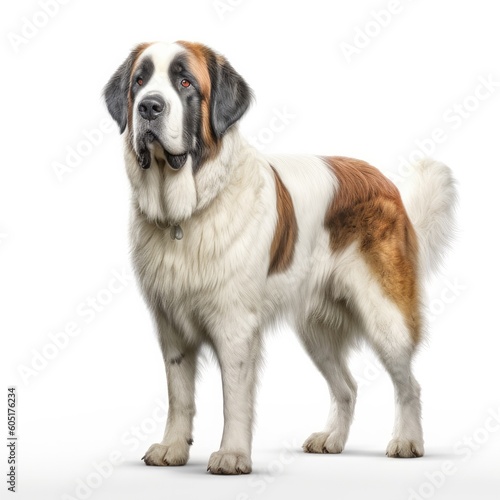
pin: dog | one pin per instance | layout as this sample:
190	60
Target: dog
226	241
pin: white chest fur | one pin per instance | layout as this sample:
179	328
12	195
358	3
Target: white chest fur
220	263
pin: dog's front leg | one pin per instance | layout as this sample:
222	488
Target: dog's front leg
180	365
238	353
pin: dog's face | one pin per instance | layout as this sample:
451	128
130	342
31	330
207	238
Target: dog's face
175	102
181	98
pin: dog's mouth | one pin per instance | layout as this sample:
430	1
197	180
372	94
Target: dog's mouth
176	162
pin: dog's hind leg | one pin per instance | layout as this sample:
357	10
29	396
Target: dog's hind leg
329	349
391	325
388	335
407	440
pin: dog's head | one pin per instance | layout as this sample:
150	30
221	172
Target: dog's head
175	102
183	97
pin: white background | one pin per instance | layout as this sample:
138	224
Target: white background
62	238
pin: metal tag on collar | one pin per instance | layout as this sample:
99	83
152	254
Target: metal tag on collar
176	232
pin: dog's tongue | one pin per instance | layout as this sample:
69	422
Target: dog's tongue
176	161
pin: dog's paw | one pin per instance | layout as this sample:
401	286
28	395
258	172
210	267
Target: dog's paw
173	454
324	442
405	448
226	462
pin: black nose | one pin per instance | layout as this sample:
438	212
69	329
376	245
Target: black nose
151	107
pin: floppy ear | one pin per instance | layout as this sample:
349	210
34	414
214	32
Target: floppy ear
116	91
230	96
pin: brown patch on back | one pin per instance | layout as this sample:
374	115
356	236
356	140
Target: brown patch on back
198	57
286	232
367	208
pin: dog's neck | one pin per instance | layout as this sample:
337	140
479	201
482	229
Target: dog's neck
215	174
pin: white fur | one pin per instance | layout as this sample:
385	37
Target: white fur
430	203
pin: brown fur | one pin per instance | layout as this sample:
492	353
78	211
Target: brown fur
286	232
198	57
367	208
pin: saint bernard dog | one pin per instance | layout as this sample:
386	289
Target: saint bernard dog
226	241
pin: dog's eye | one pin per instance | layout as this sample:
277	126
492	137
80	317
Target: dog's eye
185	83
139	81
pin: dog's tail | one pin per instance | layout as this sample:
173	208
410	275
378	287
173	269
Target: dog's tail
430	201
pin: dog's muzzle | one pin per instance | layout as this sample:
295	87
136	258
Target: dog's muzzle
176	162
